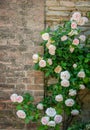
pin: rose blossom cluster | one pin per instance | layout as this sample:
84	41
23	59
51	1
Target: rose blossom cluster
16	98
51	118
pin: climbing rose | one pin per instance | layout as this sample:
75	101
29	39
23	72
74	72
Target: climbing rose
69	102
40	106
42	63
58	119
45	120
49	61
72	92
64	38
58	69
74	112
75	42
65	83
51	123
35	56
73	25
76	16
65	75
19	99
21	114
51	112
85	19
81	22
81	74
74	65
45	36
13	97
82	86
59	98
82	37
52	49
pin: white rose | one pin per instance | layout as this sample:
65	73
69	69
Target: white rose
58	119
52	49
69	102
74	112
21	114
85	19
51	123
59	98
13	97
49	61
45	120
51	112
82	37
81	74
82	86
76	16
72	92
19	99
51	52
74	65
81	22
65	83
64	38
42	63
45	36
40	106
65	75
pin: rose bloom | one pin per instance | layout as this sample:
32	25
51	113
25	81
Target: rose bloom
51	112
45	36
59	98
73	25
52	52
71	49
65	75
82	86
81	22
75	42
64	38
74	65
65	83
49	61
42	63
19	99
75	112
69	102
21	114
58	119
72	92
58	69
76	16
51	123
45	120
85	19
81	74
13	97
82	37
40	106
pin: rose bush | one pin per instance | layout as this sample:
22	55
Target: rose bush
68	61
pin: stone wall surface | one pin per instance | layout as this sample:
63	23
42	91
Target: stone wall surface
20	24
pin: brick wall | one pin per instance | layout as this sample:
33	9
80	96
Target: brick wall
20	24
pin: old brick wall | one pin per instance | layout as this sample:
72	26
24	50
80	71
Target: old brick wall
20	24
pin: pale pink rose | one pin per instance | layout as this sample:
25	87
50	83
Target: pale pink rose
76	16
35	58
40	106
58	119
75	112
65	83
42	63
72	92
21	114
19	99
65	75
73	25
82	86
74	65
51	112
64	38
69	102
85	19
13	97
82	37
45	36
75	42
51	123
81	22
49	61
45	120
52	49
59	98
81	74
71	49
58	69
52	52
